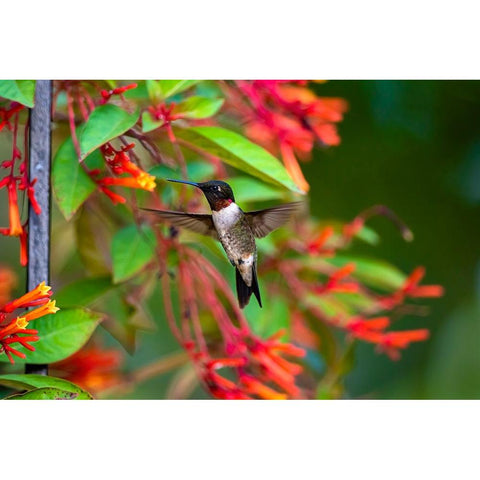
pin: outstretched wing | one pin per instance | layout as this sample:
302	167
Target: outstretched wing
196	222
265	221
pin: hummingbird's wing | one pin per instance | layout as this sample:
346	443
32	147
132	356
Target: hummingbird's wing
265	221
196	222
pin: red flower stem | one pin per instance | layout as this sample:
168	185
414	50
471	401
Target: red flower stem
88	99
225	288
185	313
211	301
83	109
71	121
167	300
392	216
191	304
177	149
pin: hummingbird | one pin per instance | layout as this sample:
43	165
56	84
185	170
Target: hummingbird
235	229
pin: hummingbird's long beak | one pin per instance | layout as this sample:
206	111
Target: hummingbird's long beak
184	181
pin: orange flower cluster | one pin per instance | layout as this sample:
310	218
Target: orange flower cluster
411	289
120	163
92	368
373	330
13	328
258	364
287	118
16	180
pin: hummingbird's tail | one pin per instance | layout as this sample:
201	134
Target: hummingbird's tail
244	292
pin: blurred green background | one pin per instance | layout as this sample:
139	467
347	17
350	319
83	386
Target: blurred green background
415	147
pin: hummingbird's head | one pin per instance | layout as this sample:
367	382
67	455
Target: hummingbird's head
219	194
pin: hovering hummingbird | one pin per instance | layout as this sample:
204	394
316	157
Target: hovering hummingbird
236	230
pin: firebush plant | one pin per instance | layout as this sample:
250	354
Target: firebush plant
113	265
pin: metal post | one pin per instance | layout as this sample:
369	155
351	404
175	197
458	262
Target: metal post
38	269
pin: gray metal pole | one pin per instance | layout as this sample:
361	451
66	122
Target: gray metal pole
38	269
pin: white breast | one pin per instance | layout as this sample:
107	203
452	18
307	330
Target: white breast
225	218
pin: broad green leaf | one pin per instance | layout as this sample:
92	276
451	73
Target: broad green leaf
21	91
33	381
241	153
172	87
71	184
247	189
105	123
132	249
83	292
198	107
61	334
374	273
47	393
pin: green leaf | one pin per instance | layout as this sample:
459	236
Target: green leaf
21	91
368	235
33	381
138	94
93	231
61	335
172	87
105	123
132	250
198	107
249	189
241	153
200	171
83	292
47	393
266	322
71	184
149	123
374	273
154	91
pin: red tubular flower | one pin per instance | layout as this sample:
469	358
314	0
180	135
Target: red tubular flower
411	289
14	216
373	330
316	246
7	113
164	113
13	328
12	181
106	94
336	284
392	342
120	163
